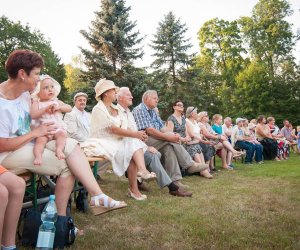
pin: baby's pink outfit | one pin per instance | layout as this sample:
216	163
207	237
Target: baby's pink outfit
56	117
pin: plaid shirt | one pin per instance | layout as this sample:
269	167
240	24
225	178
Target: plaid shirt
146	118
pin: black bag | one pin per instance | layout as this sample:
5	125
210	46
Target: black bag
31	221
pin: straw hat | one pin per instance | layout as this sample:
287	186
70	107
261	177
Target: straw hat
37	89
201	115
102	86
189	111
80	94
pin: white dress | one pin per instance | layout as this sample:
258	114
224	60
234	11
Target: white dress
119	150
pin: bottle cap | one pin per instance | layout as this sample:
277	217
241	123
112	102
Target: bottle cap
52	197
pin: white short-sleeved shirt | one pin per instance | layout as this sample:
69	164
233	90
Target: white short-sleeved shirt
15	118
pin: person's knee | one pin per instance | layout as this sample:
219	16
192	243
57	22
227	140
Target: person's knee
3	196
18	189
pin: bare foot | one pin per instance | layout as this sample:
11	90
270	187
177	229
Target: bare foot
60	154
38	161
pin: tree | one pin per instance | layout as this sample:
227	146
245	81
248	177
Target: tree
113	42
221	56
171	48
269	35
73	81
17	36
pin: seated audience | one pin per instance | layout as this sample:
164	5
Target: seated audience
12	190
152	156
174	155
227	128
217	121
16	147
282	143
298	139
214	138
177	123
78	120
78	123
194	131
109	137
242	138
264	136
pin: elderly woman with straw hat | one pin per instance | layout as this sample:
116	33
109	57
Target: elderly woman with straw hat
177	123
109	137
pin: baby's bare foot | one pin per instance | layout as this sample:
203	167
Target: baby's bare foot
60	154
37	161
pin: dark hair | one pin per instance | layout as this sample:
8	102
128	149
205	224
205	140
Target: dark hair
175	103
23	59
260	118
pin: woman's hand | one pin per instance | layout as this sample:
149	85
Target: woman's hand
171	137
44	129
142	135
152	150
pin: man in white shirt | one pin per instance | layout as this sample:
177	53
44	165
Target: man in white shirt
78	120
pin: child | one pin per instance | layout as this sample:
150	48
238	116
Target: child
46	108
12	190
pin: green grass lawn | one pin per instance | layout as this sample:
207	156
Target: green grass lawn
252	207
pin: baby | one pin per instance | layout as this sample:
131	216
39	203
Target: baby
46	108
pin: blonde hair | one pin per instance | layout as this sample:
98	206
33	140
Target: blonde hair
215	118
298	128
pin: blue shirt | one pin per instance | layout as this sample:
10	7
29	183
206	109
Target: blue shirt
146	118
218	129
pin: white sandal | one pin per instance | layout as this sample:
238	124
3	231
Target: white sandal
107	206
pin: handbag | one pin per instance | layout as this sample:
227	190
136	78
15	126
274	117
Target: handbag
31	221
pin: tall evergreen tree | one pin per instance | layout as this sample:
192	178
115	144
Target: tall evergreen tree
171	53
114	44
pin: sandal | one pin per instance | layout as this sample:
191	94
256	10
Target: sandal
132	195
107	206
147	176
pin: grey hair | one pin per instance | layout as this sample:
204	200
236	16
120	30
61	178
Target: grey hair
121	92
148	93
227	119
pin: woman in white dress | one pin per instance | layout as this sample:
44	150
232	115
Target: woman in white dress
110	138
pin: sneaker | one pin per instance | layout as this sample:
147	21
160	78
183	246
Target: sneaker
260	162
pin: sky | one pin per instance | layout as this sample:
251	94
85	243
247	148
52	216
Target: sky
61	20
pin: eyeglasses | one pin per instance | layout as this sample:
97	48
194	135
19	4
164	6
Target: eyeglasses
179	105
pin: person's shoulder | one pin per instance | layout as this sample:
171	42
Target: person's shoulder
137	108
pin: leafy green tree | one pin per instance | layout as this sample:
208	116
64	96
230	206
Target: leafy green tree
17	36
171	54
221	56
73	81
268	34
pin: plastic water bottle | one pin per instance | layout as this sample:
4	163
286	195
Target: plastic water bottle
47	229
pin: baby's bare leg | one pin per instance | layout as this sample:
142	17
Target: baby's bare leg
38	149
61	138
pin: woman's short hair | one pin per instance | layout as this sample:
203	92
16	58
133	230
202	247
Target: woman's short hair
215	117
260	118
269	119
23	59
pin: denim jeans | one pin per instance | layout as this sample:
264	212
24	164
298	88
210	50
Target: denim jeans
249	147
258	152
